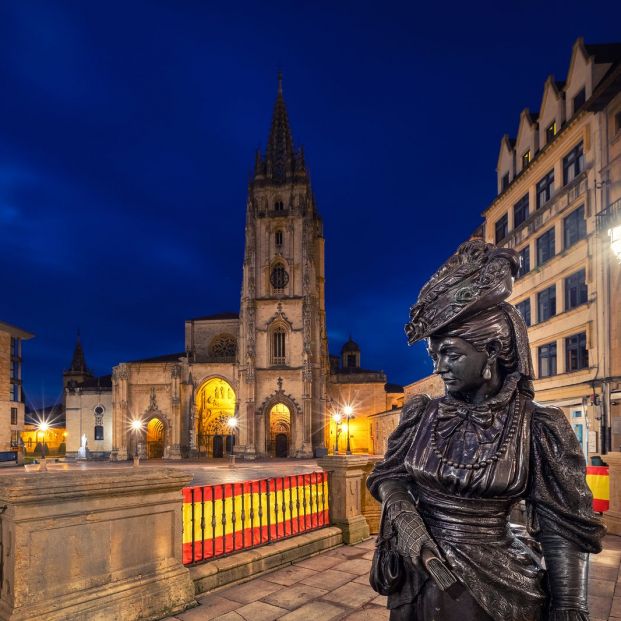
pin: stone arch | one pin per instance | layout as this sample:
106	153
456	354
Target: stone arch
155	437
215	402
278	421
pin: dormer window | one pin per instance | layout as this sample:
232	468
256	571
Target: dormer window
526	159
505	182
550	132
279	206
278	238
579	100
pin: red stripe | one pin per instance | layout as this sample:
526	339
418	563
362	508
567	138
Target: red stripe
600	505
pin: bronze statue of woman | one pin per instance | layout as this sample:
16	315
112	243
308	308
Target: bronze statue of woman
456	466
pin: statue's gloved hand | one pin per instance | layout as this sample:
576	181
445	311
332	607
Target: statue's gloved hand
412	536
567	568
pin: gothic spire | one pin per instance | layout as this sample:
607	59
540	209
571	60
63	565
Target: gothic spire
78	362
279	153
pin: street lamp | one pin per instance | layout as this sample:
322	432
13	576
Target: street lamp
43	426
337	418
615	241
349	413
136	426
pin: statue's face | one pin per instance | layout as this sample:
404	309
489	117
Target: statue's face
458	363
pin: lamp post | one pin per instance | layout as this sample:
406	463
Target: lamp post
43	426
136	426
349	413
232	424
337	418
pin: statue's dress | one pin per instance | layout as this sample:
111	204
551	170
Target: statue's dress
516	449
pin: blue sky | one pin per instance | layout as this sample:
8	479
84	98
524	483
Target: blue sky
128	132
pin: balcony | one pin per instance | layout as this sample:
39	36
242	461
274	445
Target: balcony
609	217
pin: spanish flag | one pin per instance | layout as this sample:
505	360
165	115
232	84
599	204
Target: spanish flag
598	480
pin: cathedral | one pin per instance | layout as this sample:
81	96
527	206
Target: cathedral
258	383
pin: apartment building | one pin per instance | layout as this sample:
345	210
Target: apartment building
11	398
558	205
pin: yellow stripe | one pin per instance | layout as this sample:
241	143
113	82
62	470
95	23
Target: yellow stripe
599	485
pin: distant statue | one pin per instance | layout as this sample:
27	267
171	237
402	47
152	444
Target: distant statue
82	449
455	467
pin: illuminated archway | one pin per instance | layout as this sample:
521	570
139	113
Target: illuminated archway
280	430
155	438
215	403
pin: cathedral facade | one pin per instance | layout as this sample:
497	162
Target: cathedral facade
254	383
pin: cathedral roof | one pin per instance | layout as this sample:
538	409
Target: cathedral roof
98	383
162	358
216	317
351	345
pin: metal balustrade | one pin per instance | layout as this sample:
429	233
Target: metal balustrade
225	518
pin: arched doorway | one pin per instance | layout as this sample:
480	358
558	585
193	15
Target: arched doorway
215	405
279	431
155	439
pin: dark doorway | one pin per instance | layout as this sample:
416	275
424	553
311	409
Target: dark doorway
230	443
218	446
282	445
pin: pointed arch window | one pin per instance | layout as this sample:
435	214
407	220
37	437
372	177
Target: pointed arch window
279	206
278	238
279	339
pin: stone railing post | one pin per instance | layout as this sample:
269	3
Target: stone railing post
92	544
612	517
347	478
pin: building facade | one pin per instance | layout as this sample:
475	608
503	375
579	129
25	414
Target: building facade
11	394
255	383
556	181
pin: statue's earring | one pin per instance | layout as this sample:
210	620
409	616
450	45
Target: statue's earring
487	373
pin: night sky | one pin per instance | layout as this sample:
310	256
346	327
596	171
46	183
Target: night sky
128	132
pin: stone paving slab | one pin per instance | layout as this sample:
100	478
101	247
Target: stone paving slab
333	586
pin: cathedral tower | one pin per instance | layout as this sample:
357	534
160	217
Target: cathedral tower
283	344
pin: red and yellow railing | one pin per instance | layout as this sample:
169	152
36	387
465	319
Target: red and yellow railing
229	517
598	480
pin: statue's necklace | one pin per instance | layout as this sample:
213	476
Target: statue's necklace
480	463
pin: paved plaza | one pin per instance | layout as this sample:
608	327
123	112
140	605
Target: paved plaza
334	586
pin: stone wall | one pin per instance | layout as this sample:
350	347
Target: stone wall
93	545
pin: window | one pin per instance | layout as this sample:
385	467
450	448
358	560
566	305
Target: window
502	228
13	416
545	247
550	132
14	438
524	262
223	347
14	347
573	164
99	432
576	354
278	346
546	303
279	206
520	211
576	292
279	277
574	227
544	189
351	361
278	238
525	159
579	100
547	360
505	182
524	308
14	392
